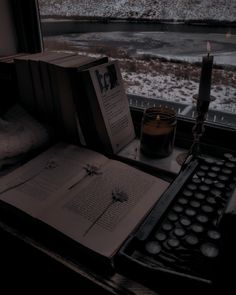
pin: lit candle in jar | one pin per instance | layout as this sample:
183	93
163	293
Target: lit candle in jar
158	132
206	73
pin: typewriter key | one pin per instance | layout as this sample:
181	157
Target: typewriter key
187	193
153	247
196	180
172	217
167	226
227	171
230	165
204	188
195	204
199	196
202	218
183	201
211	200
207	209
173	243
220	185
191	240
215	168
200	173
209	161
204	167
179	232
212	175
190	212
192	186
219	163
160	236
213	234
197	228
178	209
223	178
208	181
209	250
228	156
185	221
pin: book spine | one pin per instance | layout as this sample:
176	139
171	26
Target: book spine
64	104
25	85
48	92
38	90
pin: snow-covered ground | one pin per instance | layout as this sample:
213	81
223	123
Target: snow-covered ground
177	10
179	83
145	74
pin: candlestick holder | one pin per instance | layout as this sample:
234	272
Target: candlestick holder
197	130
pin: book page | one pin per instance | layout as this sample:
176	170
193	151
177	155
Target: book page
103	211
34	185
113	103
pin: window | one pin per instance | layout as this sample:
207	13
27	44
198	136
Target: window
159	46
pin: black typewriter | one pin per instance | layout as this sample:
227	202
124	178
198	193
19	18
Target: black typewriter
181	240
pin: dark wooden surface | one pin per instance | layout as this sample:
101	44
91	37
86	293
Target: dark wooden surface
24	260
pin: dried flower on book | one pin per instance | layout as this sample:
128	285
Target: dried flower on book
117	196
92	169
50	164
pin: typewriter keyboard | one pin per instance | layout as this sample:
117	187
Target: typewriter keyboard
187	238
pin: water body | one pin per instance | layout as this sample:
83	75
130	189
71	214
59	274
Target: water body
171	41
52	27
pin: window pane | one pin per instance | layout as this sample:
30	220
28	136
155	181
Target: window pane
160	61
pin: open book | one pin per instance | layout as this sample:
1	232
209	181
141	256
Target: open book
95	201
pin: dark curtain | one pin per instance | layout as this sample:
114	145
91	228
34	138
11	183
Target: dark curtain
28	27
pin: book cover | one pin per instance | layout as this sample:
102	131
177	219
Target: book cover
108	113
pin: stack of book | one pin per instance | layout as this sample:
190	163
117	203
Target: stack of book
82	97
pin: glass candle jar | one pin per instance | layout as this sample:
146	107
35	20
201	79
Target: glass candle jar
158	131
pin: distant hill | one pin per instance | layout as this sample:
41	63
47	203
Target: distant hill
173	10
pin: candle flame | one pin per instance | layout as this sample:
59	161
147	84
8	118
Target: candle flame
208	47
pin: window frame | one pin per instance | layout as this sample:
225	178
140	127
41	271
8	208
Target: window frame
211	140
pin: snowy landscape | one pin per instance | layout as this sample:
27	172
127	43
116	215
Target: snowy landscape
156	73
176	10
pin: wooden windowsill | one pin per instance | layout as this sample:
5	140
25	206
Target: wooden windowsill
166	166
